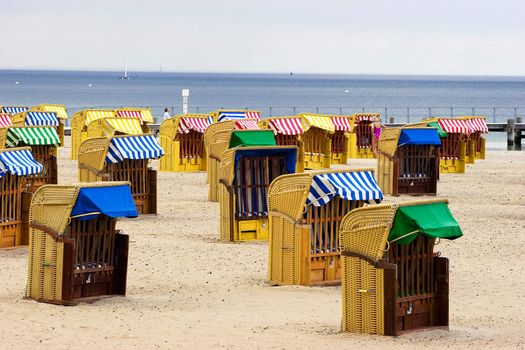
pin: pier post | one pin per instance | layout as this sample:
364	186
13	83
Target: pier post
510	133
517	135
391	120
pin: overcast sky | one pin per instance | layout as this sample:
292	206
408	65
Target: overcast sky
460	37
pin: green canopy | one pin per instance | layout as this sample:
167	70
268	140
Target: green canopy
433	220
436	125
32	136
252	138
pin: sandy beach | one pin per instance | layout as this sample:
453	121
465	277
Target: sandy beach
188	290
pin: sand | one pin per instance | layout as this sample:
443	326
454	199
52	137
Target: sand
186	289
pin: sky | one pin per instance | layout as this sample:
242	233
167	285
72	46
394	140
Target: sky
420	37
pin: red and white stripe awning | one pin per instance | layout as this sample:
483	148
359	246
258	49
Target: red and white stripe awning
365	116
287	126
455	126
479	124
129	114
246	124
253	115
5	121
341	123
197	124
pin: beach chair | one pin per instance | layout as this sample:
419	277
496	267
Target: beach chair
11	110
361	139
408	161
75	251
44	142
144	114
288	131
340	139
40	118
79	123
222	115
454	135
217	140
61	113
305	211
15	165
123	158
476	142
316	139
112	126
392	279
182	138
245	175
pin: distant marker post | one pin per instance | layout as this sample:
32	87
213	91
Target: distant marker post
185	99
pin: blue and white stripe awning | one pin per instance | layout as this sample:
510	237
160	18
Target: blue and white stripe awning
352	185
133	147
231	116
41	119
19	162
13	109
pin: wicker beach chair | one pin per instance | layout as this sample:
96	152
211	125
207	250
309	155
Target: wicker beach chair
340	139
44	142
123	158
182	137
392	280
75	251
316	139
217	140
408	161
61	112
79	123
245	175
476	142
454	134
361	138
15	165
305	211
144	114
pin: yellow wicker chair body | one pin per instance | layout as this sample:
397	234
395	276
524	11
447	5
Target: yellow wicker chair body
476	144
408	169
379	292
79	122
111	126
317	145
61	112
361	137
286	140
240	220
184	152
14	207
340	142
62	249
304	240
453	153
213	162
92	167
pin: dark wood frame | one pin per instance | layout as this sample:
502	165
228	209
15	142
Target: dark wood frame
191	145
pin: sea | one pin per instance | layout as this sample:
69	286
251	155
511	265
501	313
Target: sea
399	99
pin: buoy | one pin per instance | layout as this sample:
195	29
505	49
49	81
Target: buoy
346	91
90	85
16	83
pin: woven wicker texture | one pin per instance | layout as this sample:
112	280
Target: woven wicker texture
388	141
92	152
3	135
79	122
290	247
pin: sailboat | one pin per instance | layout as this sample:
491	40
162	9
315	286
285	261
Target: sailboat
125	76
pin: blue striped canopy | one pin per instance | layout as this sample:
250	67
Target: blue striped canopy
133	147
19	162
352	185
14	110
41	119
231	116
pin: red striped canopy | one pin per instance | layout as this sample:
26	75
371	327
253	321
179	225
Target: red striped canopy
341	123
365	116
253	115
129	114
478	124
5	120
455	126
197	124
246	124
287	126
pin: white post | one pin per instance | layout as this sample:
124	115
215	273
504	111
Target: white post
185	98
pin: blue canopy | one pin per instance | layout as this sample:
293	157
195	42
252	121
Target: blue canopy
289	153
351	185
426	136
112	201
133	147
